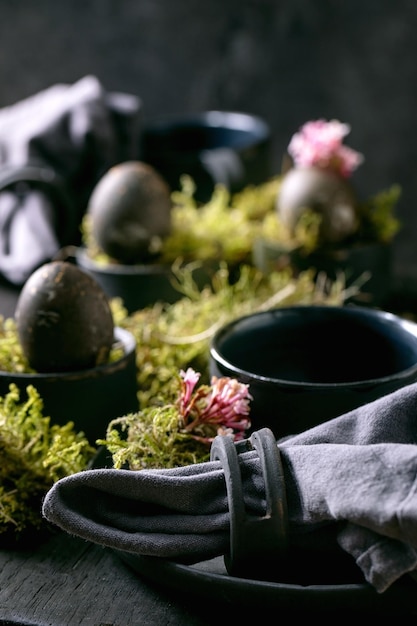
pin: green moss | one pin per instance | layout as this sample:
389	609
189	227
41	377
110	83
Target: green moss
227	226
34	454
378	220
152	438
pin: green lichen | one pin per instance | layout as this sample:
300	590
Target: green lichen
223	229
34	454
377	216
12	358
152	438
227	226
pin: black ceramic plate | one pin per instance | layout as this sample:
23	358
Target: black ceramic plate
210	580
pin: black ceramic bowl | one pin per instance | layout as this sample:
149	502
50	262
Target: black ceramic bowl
90	398
308	364
227	147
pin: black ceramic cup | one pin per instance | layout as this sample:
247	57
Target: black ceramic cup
212	147
308	364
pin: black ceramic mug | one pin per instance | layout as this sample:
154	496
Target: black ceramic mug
212	147
308	364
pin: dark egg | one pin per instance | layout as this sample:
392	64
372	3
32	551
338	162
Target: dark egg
64	321
130	212
323	192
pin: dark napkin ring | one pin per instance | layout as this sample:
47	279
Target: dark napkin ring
256	543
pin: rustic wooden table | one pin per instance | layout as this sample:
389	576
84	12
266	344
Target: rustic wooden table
65	581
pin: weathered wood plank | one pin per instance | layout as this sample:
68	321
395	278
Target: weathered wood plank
68	582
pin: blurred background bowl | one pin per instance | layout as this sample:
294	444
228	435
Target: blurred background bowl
212	147
308	364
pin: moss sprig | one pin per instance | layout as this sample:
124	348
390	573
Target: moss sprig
379	222
151	438
34	455
12	358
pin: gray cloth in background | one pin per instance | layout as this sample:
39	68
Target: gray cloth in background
357	472
74	132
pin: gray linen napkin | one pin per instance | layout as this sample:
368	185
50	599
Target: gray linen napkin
356	473
73	134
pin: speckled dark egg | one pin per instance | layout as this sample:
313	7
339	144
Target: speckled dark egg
63	318
323	192
130	212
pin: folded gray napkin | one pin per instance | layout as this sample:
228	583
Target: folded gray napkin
69	135
356	473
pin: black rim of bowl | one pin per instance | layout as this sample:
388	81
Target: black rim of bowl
406	326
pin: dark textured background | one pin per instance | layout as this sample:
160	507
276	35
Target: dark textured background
289	61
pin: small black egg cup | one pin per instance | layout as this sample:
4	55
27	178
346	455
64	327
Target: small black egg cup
89	398
141	285
138	285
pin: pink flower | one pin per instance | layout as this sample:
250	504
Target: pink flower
189	380
221	408
319	144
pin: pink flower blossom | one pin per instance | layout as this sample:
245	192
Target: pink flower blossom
221	408
189	379
319	144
